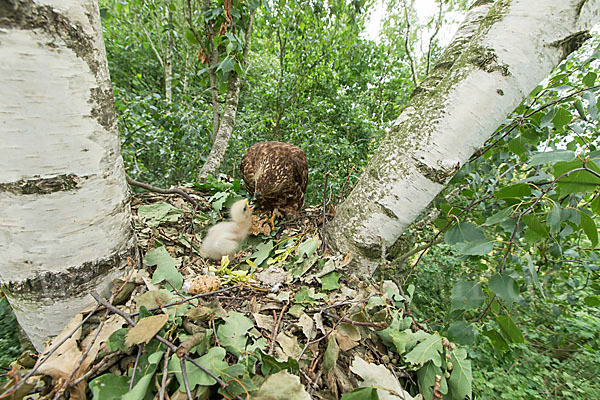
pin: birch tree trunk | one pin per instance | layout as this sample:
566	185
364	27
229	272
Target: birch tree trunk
500	53
65	225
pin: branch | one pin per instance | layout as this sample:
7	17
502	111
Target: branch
172	190
438	25
407	48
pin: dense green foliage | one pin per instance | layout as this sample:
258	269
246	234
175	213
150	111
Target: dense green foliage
509	267
9	342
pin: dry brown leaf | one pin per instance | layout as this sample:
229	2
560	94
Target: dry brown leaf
346	260
145	329
264	321
347	336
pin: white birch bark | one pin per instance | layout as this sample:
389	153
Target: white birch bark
65	224
501	52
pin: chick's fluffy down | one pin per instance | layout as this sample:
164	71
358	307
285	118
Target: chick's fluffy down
222	239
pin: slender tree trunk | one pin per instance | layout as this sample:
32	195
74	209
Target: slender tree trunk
168	67
227	120
501	52
217	152
65	225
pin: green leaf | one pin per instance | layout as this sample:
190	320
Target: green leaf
518	190
306	295
159	212
595	205
504	287
592	301
212	361
461	332
233	333
563	117
308	247
554	218
165	270
589	227
331	354
552	157
330	281
589	79
109	387
428	350
534	275
510	330
361	394
579	107
497	340
227	65
401	340
466	295
116	341
189	35
262	252
576	182
460	382
468	239
269	365
534	223
146	369
498	217
426	379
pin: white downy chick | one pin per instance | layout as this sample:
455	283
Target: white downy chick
225	237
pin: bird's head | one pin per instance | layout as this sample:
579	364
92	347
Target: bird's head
241	211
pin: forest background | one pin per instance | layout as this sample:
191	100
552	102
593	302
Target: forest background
313	78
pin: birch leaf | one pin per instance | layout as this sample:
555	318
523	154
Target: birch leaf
374	375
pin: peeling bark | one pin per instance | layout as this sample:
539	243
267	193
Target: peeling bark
500	53
65	224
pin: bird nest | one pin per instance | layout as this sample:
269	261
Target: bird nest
281	319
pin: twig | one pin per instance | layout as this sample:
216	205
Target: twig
185	379
444	229
276	328
407	47
172	190
324	212
178	302
100	367
377	325
325	336
47	356
135	365
163	385
65	385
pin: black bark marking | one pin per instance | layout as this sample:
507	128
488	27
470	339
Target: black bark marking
37	185
571	42
73	282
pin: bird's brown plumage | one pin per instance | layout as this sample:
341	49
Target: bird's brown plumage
276	174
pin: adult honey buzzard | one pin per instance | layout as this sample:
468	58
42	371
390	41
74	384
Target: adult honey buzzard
276	175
